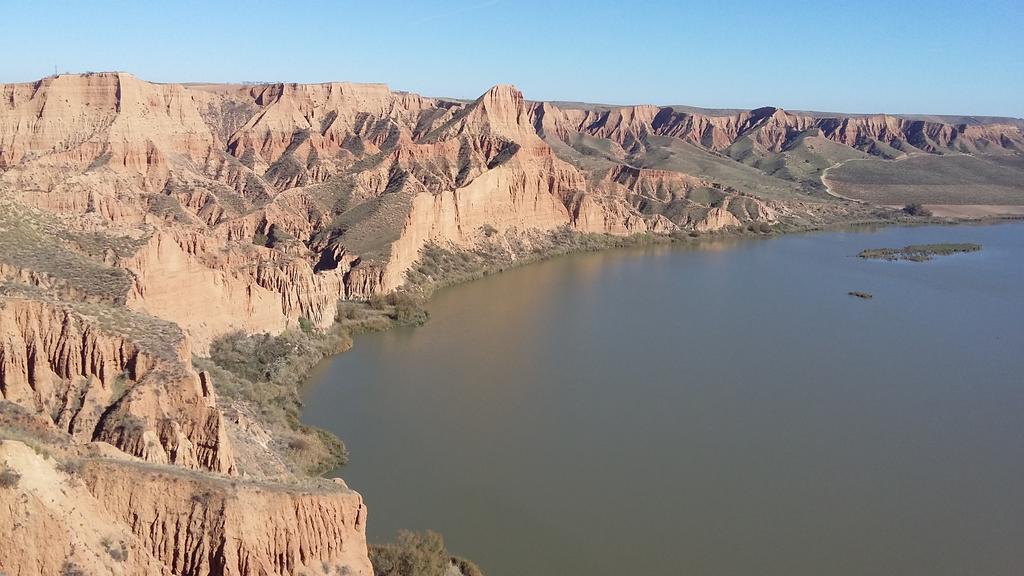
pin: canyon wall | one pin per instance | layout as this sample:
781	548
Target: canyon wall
111	516
97	383
772	128
139	222
270	202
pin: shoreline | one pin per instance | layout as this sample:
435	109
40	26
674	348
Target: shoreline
380	400
633	241
294	452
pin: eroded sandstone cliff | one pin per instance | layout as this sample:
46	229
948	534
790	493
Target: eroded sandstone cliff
83	369
139	222
273	201
114	516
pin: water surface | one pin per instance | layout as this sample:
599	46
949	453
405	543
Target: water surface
722	410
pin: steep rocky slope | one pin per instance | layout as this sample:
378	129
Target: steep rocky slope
774	129
115	516
273	201
140	222
102	373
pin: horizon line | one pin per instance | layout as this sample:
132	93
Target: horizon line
726	110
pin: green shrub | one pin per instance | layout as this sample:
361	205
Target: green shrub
917	209
71	569
299	444
917	252
8	477
277	236
407	309
118	551
70	467
265	373
378	302
265	358
414	554
402	307
360	317
418	554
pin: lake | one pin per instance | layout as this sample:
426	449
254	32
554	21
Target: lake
721	409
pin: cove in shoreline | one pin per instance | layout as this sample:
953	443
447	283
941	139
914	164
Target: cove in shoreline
647	409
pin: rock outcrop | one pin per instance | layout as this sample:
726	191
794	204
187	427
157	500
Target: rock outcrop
50	525
99	383
122	517
272	201
198	527
140	221
771	128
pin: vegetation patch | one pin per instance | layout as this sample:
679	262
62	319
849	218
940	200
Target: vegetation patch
418	554
402	307
70	467
361	318
39	245
444	265
8	477
917	209
71	569
265	374
117	550
918	252
930	179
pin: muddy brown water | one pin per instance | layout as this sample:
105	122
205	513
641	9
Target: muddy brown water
725	409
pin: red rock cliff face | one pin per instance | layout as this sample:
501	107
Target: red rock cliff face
129	518
50	525
200	529
772	128
67	122
273	201
141	221
322	162
107	378
96	384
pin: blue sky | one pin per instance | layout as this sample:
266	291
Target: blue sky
898	56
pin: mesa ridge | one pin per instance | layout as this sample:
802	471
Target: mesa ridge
140	223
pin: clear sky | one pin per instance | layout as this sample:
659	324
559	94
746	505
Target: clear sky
898	56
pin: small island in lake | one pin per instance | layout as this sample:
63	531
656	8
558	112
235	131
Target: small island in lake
918	252
862	295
